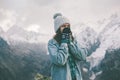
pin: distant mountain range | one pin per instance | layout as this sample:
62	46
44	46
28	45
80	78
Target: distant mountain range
17	33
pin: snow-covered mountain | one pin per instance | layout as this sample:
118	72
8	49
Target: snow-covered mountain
109	35
109	39
16	34
87	37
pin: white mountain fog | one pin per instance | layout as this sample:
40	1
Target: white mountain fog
28	12
1	30
34	28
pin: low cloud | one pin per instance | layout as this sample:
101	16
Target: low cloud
40	12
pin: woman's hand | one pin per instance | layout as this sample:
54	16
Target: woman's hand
66	35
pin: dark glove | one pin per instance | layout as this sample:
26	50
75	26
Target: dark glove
66	35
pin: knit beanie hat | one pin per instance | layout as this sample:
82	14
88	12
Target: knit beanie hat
59	20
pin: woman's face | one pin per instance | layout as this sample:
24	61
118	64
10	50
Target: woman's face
66	25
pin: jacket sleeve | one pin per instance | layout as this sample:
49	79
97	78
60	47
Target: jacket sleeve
77	51
58	55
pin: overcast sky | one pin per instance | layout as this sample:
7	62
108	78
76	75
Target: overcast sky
37	15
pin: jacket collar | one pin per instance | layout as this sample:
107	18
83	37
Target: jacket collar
54	41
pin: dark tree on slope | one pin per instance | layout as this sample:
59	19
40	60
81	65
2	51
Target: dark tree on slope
23	61
7	68
32	59
110	66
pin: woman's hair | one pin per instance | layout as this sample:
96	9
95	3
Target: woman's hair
58	36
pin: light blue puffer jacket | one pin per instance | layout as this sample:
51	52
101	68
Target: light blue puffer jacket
60	69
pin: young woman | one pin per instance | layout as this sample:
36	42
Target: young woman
64	51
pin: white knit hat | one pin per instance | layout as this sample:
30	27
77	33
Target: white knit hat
59	20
